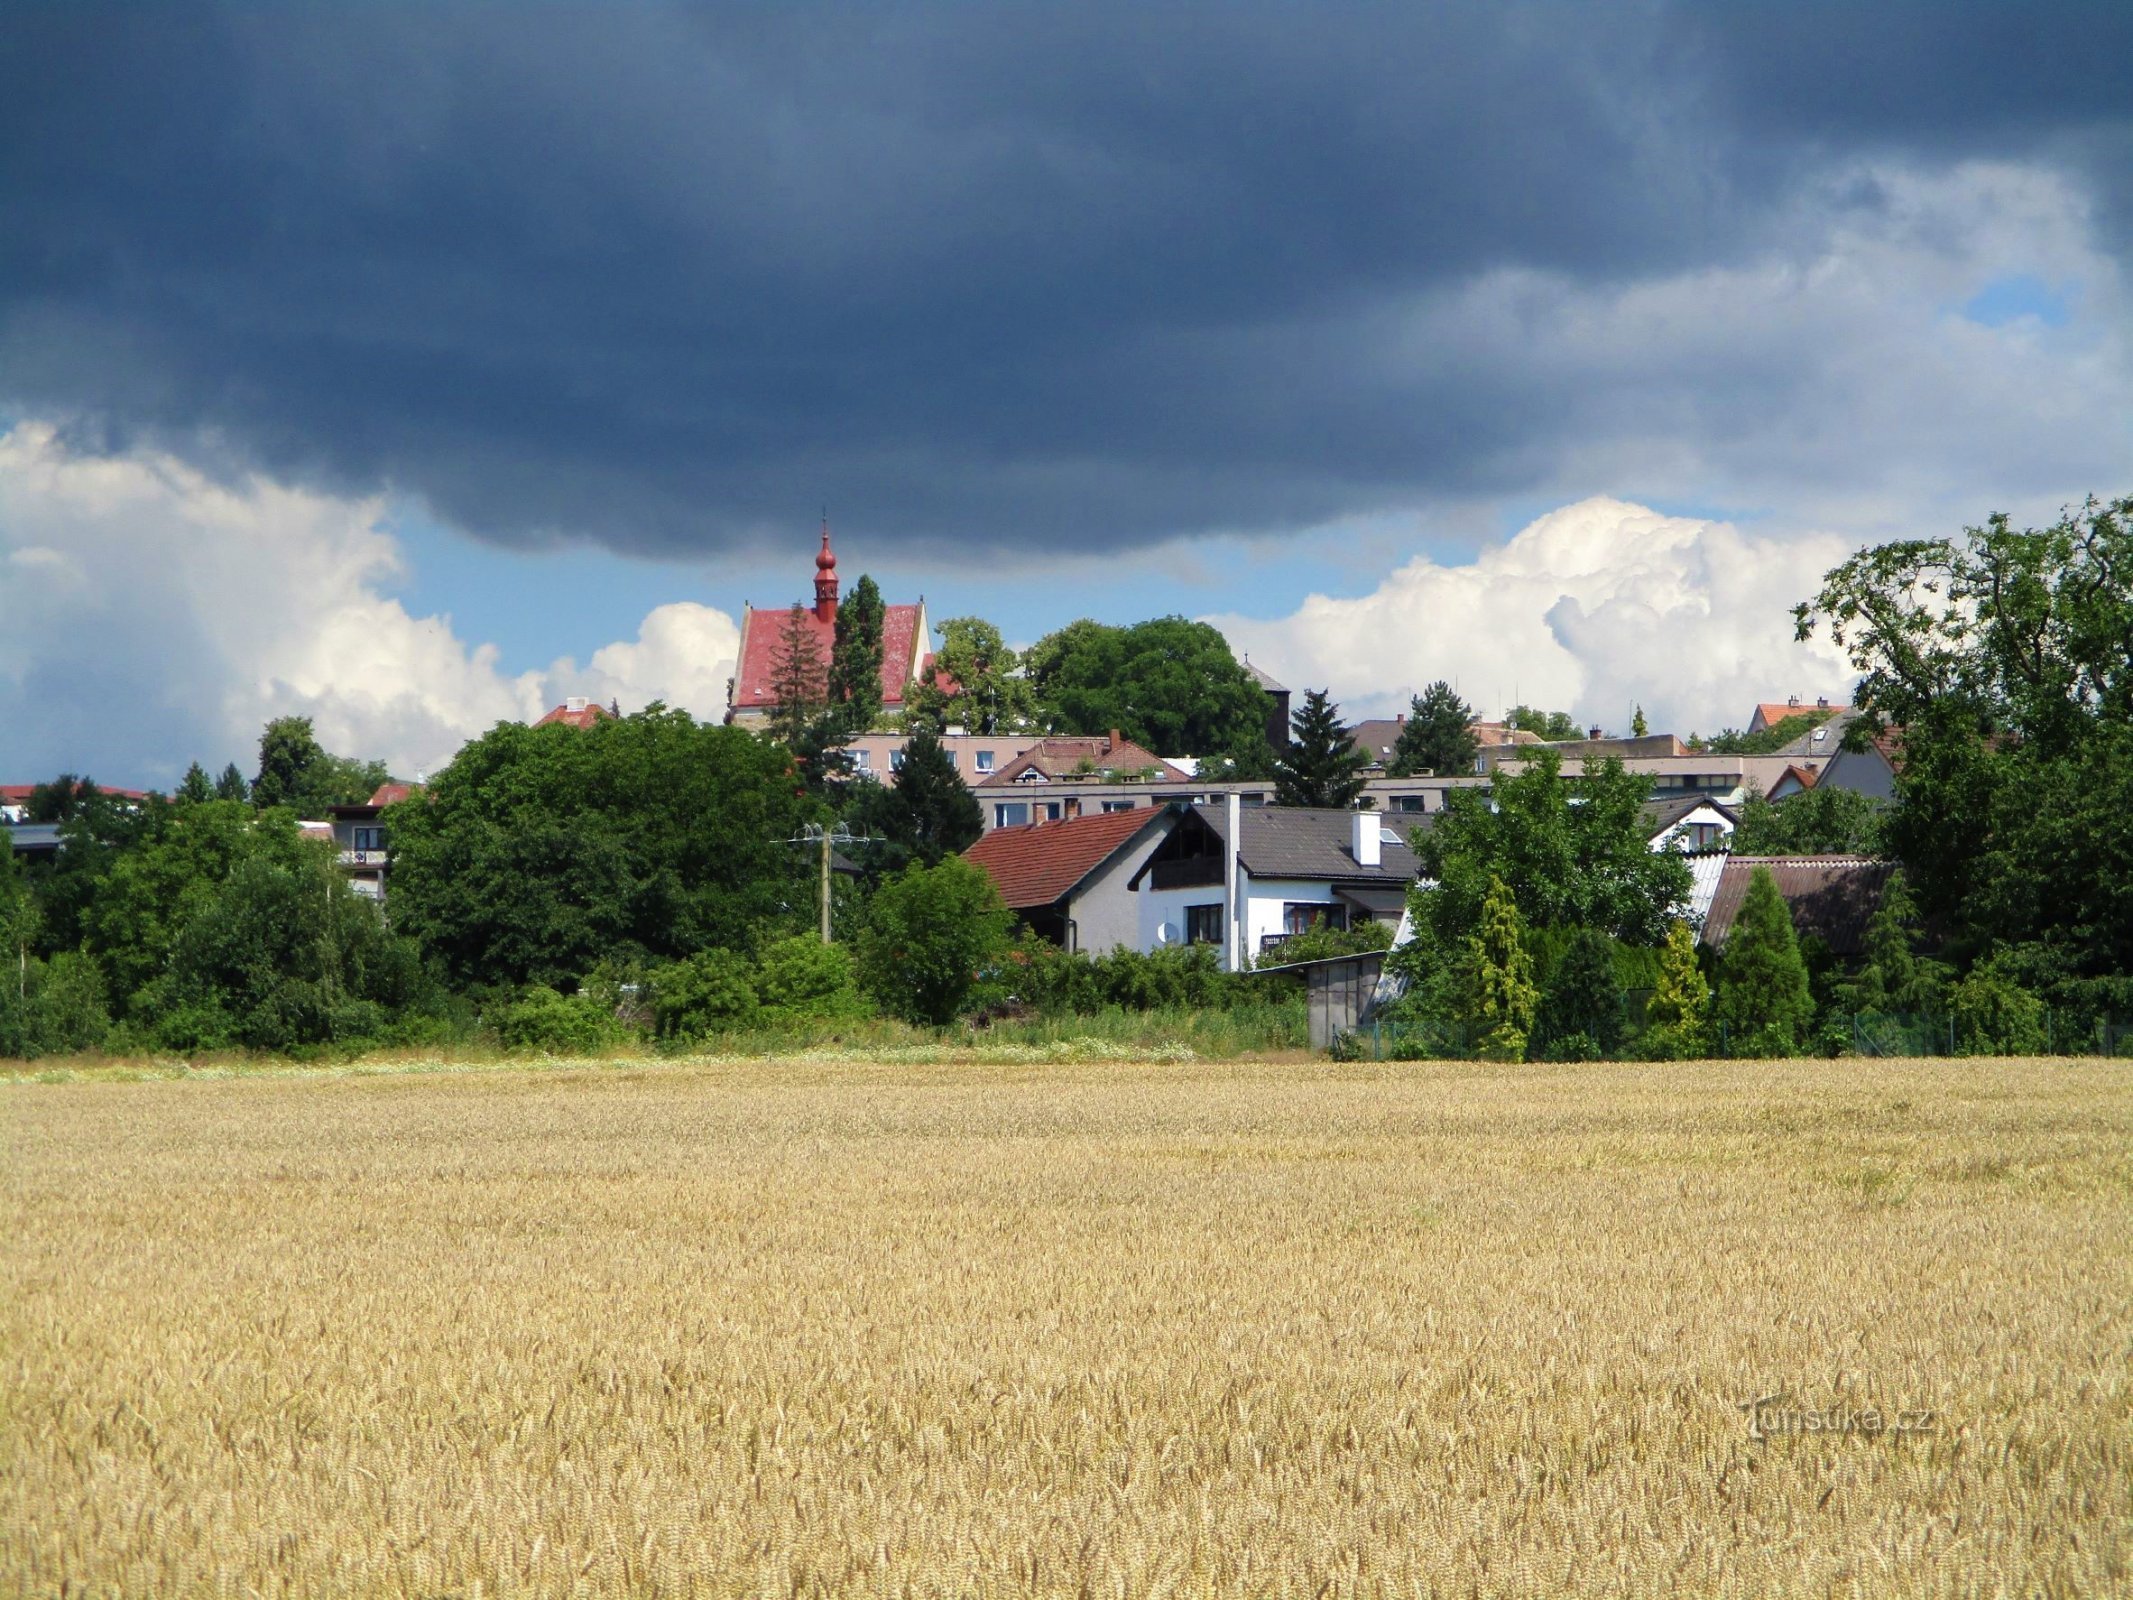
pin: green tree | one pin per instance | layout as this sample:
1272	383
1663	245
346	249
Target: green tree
1678	1010
801	979
1638	727
1813	822
711	991
296	772
61	800
928	813
1168	684
1893	976
2003	661
1581	1009
541	852
1322	766
930	933
974	681
1555	726
1762	1003
231	785
1438	736
855	662
1501	998
196	785
1571	856
799	677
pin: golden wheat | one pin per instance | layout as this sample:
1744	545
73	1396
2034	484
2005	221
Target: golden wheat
1086	1328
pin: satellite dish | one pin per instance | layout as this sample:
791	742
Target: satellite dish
1166	933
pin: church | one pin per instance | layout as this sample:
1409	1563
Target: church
906	646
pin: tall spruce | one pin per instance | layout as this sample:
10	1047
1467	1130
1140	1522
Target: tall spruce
855	661
931	811
1581	1010
1322	766
1501	998
1438	736
196	785
231	785
1763	1005
1680	1004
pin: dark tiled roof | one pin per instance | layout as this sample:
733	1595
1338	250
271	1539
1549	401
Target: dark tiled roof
1375	737
1660	815
1832	897
1041	863
1297	842
1087	757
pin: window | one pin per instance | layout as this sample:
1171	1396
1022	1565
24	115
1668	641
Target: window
1010	814
1118	805
1410	802
1203	924
1044	811
984	761
862	761
1297	916
368	839
896	761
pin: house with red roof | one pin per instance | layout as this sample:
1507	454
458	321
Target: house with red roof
579	712
360	836
1771	713
1067	881
906	645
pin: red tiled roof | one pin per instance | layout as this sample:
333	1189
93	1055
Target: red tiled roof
1770	713
1089	757
763	639
1043	862
1803	776
17	794
577	716
391	794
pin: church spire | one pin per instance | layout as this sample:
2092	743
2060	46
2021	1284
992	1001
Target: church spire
826	576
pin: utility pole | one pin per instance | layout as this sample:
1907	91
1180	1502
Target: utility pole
828	838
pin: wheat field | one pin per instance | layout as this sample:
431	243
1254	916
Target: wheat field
1104	1329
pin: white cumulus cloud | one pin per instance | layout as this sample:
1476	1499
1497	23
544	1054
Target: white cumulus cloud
1594	608
151	616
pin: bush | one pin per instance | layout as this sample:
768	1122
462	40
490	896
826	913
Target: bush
1995	1017
1581	1007
931	933
711	991
542	1019
1319	941
801	979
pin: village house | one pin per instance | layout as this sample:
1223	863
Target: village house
360	836
906	646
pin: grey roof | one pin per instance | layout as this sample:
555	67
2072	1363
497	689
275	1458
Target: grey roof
1263	679
1661	815
1832	733
33	837
1295	842
1375	737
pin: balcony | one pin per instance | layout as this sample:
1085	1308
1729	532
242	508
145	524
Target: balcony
1195	872
362	858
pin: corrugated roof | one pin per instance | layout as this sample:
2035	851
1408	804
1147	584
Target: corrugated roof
1303	842
1831	897
1041	863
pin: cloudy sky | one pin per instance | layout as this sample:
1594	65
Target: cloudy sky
412	366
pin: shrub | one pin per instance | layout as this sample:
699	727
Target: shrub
713	989
801	979
1993	1016
1319	941
931	932
542	1019
1763	1003
1501	998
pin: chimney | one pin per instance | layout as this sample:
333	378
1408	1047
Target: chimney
1368	844
1595	732
1113	742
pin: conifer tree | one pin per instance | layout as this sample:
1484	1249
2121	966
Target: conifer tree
855	661
1501	996
1638	727
1680	1004
1581	1011
1322	766
1762	1004
931	811
231	785
1894	977
195	786
1438	736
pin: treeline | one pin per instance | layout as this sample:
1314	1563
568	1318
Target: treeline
649	877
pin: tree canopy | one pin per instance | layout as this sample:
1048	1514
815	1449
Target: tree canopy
540	852
1438	736
974	682
295	771
1322	765
1168	684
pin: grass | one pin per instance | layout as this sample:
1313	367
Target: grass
1060	1325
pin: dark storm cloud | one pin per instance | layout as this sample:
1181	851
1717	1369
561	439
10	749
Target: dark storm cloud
670	277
